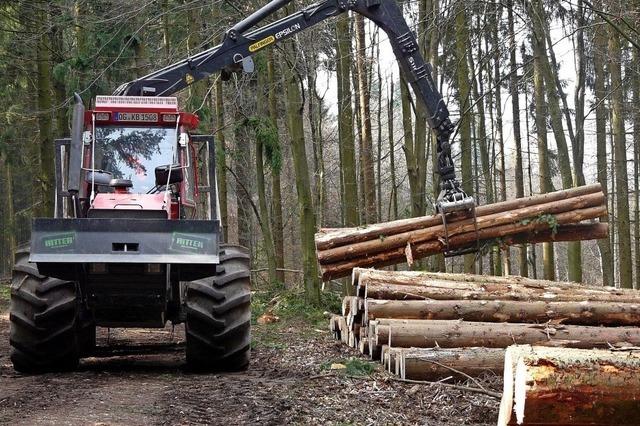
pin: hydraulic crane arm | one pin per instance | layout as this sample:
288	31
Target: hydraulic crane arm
240	44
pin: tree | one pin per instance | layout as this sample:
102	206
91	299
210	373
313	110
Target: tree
345	123
276	185
600	93
45	124
364	95
548	261
464	90
517	136
295	111
620	148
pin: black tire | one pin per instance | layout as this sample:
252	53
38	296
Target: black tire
218	310
43	316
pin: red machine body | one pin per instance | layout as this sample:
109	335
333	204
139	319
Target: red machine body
139	116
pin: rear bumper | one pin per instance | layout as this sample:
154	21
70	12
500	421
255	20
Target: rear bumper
187	245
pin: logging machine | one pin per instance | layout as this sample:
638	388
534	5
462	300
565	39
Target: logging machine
135	241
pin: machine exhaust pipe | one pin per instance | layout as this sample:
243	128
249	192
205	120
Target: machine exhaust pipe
75	154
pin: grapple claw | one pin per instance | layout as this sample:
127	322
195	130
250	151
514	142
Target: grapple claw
453	200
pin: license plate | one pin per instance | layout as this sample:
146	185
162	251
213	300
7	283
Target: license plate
136	116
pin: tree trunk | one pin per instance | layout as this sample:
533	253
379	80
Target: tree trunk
266	133
543	154
295	110
393	202
276	197
221	145
463	78
367	163
575	313
8	219
515	107
600	92
636	163
622	184
569	176
570	387
46	173
315	124
345	123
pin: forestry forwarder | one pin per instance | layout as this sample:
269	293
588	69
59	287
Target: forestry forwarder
135	241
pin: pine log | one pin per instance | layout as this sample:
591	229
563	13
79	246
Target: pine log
346	305
576	313
456	334
447	290
363	346
362	276
327	239
423	249
436	363
574	387
384	354
570	232
437	232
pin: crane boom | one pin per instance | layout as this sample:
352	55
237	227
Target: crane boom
240	44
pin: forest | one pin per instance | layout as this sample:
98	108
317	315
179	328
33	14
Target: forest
327	133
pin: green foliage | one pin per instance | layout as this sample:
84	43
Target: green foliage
267	134
290	305
354	367
548	219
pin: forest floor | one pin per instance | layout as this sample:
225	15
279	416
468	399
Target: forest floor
138	377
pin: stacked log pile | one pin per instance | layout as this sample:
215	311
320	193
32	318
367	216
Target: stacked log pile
425	326
549	217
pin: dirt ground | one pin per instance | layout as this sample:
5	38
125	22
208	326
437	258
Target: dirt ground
137	377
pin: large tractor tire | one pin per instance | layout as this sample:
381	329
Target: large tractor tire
219	315
44	331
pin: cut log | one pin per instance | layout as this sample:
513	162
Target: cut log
437	232
362	276
364	346
457	334
420	250
327	239
447	290
346	305
571	232
436	363
576	313
574	387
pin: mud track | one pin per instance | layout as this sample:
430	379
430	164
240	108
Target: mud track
137	377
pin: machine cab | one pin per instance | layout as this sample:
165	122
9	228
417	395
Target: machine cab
138	159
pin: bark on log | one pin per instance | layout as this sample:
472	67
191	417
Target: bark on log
571	232
457	334
576	313
447	290
388	241
327	239
572	387
436	363
425	278
420	250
